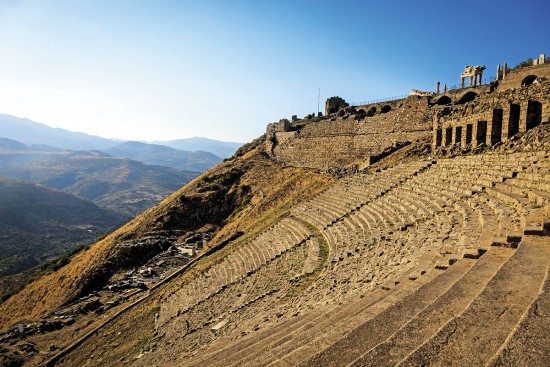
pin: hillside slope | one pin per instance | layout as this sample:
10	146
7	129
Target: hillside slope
413	264
408	262
241	194
38	223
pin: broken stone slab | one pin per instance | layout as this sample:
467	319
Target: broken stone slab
218	326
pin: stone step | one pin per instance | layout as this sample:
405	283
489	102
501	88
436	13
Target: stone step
424	324
528	343
510	206
488	219
485	325
281	337
340	347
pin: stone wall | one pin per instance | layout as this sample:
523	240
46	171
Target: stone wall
480	114
354	137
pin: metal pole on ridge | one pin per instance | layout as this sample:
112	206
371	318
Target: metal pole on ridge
318	100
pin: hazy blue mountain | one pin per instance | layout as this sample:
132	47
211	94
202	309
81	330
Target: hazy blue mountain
119	184
30	132
44	148
220	148
12	145
38	223
163	155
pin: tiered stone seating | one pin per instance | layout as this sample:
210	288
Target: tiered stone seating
238	264
350	194
404	270
232	304
484	326
413	319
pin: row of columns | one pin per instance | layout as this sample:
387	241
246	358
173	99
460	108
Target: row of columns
475	80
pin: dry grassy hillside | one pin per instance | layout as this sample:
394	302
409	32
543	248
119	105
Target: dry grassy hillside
235	195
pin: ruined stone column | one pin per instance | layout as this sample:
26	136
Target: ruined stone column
505	122
461	82
464	131
504	70
474	134
499	77
437	88
523	116
471	80
445	87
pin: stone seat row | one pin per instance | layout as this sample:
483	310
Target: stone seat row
386	327
355	246
342	318
232	303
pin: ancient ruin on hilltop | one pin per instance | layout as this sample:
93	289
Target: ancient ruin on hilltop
467	115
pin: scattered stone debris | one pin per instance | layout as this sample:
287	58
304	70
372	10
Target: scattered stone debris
174	254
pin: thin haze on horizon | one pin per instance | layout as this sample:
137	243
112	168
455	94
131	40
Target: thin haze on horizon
149	70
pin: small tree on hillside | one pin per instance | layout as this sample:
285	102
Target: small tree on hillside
524	64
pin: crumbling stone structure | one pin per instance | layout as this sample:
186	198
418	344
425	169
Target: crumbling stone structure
357	134
492	118
524	76
474	73
479	114
281	126
334	104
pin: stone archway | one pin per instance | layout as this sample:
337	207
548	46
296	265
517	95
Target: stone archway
385	109
528	80
467	97
444	100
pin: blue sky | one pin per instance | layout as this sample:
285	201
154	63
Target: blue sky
157	70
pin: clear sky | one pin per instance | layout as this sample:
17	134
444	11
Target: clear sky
161	69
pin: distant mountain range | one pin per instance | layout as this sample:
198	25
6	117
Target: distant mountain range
222	149
162	155
30	132
119	184
38	223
